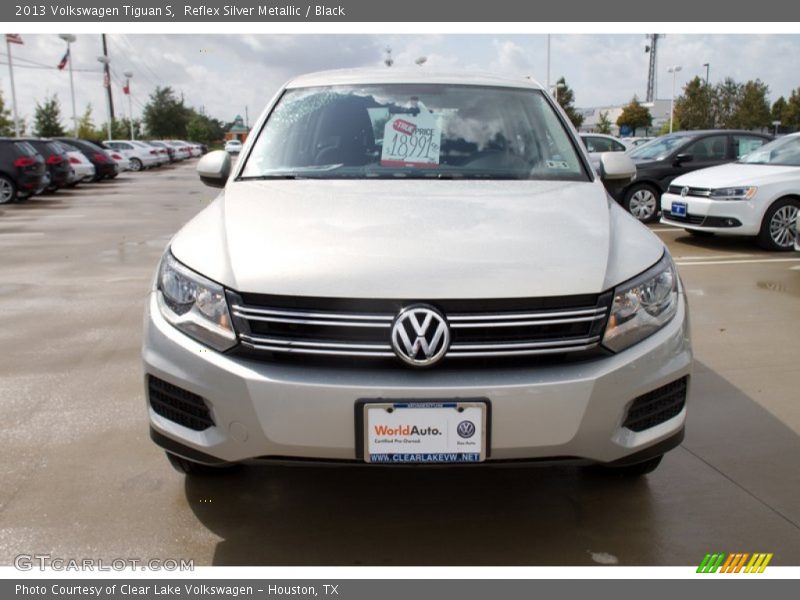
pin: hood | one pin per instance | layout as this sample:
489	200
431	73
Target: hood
738	174
415	239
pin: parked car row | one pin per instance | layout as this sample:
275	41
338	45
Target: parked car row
712	182
30	166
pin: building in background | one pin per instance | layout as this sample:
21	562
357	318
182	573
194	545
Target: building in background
659	110
238	131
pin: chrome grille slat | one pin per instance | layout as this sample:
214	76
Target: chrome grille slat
526	328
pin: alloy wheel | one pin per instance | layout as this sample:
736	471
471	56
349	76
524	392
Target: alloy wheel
6	190
782	226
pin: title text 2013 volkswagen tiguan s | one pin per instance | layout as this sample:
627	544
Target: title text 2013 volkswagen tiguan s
415	268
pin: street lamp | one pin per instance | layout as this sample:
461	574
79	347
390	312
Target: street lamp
69	39
128	76
421	61
708	70
106	61
674	70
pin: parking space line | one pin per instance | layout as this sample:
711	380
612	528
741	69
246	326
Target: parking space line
736	262
666	230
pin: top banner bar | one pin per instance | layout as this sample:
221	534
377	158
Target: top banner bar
343	11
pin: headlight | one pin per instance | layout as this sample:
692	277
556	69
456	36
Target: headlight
734	193
642	305
194	304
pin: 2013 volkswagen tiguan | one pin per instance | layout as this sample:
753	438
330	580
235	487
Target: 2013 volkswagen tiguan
415	268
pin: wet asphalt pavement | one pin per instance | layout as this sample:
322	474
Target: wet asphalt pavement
80	477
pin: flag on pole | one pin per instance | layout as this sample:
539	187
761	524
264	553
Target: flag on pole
64	61
105	80
14	38
126	89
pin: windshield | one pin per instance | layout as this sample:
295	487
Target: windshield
414	131
659	148
783	151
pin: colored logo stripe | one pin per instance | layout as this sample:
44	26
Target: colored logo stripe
734	563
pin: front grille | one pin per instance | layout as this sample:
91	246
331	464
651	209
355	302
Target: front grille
657	406
692	191
178	405
272	327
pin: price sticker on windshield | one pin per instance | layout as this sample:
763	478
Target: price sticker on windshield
412	140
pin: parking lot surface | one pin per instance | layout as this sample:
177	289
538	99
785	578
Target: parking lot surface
80	477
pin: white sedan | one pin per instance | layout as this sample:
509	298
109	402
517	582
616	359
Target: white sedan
757	196
233	146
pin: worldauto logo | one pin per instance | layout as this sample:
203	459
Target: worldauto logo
466	429
406	430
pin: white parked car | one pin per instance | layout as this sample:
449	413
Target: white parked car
123	164
233	146
598	143
759	196
82	168
138	155
412	267
181	149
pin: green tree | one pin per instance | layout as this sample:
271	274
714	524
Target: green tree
693	106
47	118
676	126
725	100
6	122
165	115
566	98
752	110
604	123
791	116
634	115
778	110
202	128
121	129
86	128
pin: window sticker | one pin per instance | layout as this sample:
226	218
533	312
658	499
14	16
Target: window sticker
412	140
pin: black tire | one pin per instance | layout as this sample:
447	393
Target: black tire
779	227
643	201
635	470
189	467
700	234
8	190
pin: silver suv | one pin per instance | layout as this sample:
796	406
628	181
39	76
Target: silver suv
408	267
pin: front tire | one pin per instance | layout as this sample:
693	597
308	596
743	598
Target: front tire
779	227
8	190
642	201
189	467
636	470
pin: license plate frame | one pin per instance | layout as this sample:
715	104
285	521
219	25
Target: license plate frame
362	434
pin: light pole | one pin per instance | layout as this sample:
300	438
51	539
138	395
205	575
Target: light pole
674	70
708	70
106	83
69	38
128	76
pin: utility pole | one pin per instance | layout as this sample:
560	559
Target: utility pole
548	62
107	71
69	39
247	117
708	71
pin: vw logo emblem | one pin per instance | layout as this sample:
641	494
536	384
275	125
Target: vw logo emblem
466	429
420	335
684	191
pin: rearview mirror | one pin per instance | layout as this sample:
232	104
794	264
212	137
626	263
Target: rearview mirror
616	166
214	168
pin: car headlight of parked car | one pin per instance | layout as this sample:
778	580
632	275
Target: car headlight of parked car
734	193
642	305
194	304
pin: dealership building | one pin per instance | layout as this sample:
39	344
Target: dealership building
659	109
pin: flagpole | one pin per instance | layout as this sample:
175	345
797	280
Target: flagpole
13	91
69	38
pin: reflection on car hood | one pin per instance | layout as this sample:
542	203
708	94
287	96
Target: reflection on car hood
416	239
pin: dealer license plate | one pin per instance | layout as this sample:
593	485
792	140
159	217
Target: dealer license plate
424	432
678	209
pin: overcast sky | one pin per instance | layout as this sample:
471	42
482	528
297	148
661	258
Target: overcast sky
226	73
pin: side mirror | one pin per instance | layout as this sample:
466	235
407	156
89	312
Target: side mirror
214	168
682	158
616	166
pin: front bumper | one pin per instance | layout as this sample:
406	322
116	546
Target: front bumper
737	217
266	410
